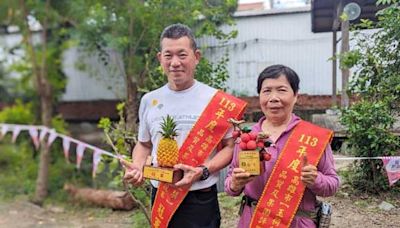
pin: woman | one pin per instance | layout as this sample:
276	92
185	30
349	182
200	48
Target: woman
278	88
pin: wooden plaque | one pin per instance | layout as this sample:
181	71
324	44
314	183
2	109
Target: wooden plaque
249	160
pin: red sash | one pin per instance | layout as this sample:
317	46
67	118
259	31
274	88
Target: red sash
282	194
207	132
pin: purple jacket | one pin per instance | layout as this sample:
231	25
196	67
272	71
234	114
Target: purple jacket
326	184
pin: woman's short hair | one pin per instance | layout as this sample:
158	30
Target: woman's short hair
176	31
275	71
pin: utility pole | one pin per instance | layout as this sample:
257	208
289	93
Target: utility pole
345	71
337	11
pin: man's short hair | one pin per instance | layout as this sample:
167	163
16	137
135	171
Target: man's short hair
176	31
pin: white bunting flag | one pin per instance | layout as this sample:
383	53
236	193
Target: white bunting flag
42	134
15	134
79	154
66	144
39	133
52	136
4	129
96	160
33	132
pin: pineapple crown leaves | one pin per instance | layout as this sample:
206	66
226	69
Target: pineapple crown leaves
168	127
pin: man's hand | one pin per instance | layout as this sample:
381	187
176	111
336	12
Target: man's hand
239	179
133	174
308	173
190	175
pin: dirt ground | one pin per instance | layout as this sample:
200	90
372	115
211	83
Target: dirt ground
23	214
349	211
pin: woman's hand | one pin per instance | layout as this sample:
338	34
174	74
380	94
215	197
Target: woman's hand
308	173
239	179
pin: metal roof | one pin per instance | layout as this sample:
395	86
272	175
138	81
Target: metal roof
323	13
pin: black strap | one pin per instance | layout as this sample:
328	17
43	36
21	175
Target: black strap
248	201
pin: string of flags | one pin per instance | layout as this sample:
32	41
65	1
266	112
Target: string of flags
391	164
38	134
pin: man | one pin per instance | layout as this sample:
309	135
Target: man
193	198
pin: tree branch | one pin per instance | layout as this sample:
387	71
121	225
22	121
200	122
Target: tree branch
126	187
141	205
28	38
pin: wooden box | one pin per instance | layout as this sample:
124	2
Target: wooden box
168	175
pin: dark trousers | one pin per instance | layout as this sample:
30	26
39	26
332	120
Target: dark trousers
199	209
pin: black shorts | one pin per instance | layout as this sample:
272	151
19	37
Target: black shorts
199	209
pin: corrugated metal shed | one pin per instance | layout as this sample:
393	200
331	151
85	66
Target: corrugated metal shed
281	36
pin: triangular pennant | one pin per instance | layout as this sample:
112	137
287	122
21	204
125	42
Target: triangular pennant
4	130
52	136
42	134
15	134
79	154
33	132
66	144
96	160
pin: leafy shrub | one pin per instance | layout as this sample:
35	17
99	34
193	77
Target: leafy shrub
377	82
18	171
19	113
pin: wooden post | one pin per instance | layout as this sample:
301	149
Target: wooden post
334	67
337	10
345	71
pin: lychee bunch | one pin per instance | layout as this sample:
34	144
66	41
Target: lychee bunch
250	140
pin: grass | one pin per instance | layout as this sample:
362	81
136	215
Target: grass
139	220
228	202
229	207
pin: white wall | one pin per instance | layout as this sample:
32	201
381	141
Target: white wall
97	82
277	39
269	38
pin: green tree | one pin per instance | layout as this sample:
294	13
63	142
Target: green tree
376	82
125	36
40	64
4	94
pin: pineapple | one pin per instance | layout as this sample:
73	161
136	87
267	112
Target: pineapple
167	151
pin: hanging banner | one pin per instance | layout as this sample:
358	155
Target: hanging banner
42	134
52	136
79	154
96	160
38	134
33	132
15	134
4	130
66	145
392	167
